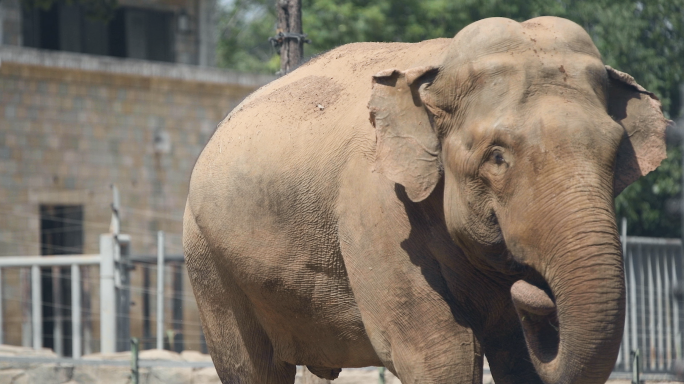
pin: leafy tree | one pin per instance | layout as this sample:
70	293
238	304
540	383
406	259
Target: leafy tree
642	37
244	27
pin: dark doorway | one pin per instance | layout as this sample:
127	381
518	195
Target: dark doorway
61	233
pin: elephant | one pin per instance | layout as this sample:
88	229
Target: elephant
421	206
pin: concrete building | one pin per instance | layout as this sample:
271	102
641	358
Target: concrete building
87	103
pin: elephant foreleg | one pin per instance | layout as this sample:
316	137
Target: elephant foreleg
456	358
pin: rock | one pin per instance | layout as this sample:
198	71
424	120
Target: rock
159	354
195	356
49	374
166	375
36	373
13	350
205	376
13	376
108	356
15	373
103	374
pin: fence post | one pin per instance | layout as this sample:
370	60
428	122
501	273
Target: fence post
2	314
57	313
75	311
121	275
26	324
146	314
86	313
636	374
107	295
177	307
633	308
123	293
36	308
160	290
135	372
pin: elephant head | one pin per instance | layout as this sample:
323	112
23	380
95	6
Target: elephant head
533	136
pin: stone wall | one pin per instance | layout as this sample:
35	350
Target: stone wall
71	125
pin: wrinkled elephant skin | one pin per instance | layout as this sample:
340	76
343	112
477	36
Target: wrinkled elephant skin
420	206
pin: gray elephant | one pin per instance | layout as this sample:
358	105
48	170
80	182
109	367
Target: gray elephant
420	206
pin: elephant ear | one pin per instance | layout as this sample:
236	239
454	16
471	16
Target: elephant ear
407	147
639	112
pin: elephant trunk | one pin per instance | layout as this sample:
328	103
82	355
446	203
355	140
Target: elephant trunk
572	310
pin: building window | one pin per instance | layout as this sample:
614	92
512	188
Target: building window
132	32
61	233
61	229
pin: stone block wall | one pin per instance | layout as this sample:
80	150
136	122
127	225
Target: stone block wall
72	125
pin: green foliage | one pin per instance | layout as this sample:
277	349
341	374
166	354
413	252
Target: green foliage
245	26
647	204
644	38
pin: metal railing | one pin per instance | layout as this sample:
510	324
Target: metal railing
654	318
653	325
35	262
113	273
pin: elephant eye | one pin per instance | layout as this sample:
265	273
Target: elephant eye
497	157
496	164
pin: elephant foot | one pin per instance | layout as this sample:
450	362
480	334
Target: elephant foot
325	373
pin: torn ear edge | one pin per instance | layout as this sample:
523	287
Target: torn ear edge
639	112
628	79
407	148
416	78
411	75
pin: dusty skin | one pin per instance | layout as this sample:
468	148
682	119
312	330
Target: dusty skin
421	205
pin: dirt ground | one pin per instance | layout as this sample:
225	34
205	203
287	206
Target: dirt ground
371	375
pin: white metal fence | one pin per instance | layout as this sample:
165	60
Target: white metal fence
654	268
113	269
654	318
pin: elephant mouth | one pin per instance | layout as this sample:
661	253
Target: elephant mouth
539	317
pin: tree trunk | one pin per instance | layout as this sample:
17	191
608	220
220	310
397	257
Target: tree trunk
290	21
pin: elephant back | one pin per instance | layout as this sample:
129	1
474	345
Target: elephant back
305	124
